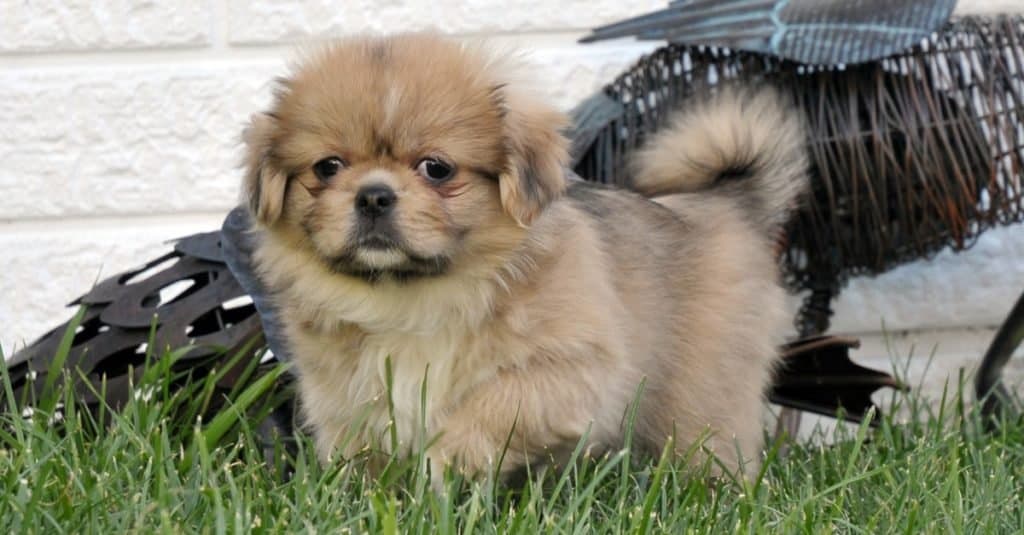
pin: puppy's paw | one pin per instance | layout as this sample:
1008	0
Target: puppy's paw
466	458
435	465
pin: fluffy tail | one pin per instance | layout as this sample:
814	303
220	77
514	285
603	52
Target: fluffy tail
748	145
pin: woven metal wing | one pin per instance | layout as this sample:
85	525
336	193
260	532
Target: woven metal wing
184	298
826	32
910	155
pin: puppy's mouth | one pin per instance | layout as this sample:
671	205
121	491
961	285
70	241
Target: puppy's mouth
379	252
376	257
378	242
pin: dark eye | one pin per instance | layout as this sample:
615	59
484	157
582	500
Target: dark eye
435	170
328	167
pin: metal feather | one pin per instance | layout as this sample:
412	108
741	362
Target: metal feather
827	32
817	375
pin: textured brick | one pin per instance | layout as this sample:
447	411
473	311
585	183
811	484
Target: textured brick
974	288
910	355
265	22
966	7
568	74
270	22
144	140
121	142
110	24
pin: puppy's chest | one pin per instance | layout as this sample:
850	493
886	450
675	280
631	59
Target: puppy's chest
353	381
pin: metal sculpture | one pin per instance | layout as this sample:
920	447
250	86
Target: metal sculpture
911	154
185	296
828	32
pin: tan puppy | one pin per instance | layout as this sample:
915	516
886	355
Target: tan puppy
424	243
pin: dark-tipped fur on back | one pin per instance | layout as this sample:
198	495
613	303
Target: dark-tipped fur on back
747	144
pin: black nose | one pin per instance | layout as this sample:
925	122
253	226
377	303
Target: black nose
374	201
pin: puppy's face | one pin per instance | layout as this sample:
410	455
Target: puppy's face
398	156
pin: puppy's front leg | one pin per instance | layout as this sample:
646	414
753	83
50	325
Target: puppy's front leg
540	411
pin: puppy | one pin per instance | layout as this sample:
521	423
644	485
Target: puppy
446	288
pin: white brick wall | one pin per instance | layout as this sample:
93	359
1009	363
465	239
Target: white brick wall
30	26
119	123
271	22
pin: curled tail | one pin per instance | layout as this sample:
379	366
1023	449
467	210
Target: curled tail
748	145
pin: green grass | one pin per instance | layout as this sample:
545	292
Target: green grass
156	467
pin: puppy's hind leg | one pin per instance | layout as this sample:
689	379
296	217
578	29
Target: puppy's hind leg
522	417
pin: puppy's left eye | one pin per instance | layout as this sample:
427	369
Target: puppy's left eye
435	170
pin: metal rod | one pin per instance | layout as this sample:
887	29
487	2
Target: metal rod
988	383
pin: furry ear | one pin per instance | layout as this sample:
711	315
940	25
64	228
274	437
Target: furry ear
537	157
264	184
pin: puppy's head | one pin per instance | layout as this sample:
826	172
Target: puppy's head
394	156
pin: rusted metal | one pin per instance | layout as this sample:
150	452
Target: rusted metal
817	375
988	385
910	155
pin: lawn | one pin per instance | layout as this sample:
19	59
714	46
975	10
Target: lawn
156	466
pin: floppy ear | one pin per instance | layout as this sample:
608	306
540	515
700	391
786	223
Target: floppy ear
537	156
264	184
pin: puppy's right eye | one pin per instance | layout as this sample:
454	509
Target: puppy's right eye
328	167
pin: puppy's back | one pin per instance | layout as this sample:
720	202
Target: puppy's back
695	266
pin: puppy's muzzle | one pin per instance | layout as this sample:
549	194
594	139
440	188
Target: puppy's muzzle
375	201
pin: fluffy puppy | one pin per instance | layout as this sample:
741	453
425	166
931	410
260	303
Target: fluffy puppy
443	283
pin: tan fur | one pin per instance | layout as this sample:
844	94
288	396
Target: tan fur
553	305
750	129
264	184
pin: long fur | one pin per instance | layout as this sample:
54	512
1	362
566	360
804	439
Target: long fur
551	306
744	143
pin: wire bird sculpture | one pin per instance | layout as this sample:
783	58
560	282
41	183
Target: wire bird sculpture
910	154
914	153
